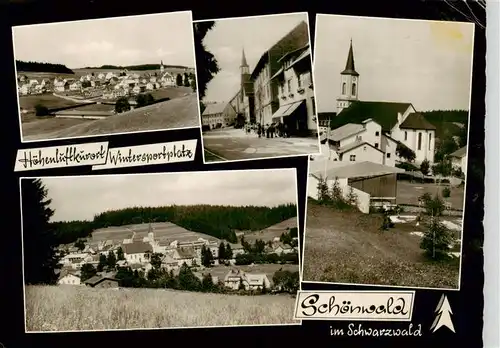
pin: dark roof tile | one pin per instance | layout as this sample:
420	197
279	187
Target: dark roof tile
384	113
416	121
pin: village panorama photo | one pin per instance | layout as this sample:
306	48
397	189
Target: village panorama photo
145	251
386	197
256	89
106	76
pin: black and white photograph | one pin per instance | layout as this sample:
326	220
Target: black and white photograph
386	196
106	76
257	98
144	251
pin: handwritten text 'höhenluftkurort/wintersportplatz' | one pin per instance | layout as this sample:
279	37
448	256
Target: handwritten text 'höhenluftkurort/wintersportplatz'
100	155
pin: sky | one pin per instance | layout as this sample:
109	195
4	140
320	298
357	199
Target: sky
80	198
425	63
230	36
121	41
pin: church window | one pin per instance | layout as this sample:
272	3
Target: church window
352	158
353	89
313	106
376	145
289	85
419	146
376	134
299	81
343	88
430	140
283	89
388	155
406	135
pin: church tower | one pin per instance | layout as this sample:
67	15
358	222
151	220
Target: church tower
161	68
245	73
349	82
151	236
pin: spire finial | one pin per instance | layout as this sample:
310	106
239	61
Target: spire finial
243	58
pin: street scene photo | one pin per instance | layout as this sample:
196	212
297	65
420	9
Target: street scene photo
255	87
386	196
106	76
112	252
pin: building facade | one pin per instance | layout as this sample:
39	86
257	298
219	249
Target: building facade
265	88
297	108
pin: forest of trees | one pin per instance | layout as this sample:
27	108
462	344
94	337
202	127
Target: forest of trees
444	121
141	67
42	67
207	63
216	221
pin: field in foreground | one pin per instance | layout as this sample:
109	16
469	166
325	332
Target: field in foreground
348	247
180	112
68	308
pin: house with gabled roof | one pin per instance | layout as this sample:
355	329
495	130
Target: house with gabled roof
459	159
68	277
186	255
236	278
218	115
381	124
102	282
137	252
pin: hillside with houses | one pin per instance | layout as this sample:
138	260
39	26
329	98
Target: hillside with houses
102	84
105	262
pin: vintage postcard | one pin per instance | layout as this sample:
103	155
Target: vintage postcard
257	97
386	197
160	251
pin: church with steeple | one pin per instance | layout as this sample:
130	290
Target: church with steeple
243	101
349	83
372	130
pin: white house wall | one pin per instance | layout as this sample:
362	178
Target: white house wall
370	134
389	147
427	146
135	258
364	153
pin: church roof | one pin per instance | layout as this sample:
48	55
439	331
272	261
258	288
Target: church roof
349	66
384	113
416	121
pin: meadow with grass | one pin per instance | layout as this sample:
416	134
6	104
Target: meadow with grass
347	246
77	308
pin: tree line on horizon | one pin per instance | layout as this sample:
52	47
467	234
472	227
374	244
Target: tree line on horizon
140	67
42	67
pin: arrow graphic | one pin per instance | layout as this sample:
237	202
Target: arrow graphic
443	317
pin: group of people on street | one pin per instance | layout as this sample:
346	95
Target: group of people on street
273	130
